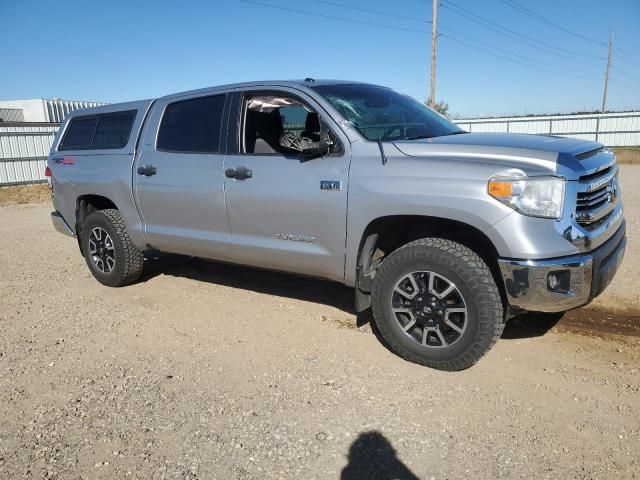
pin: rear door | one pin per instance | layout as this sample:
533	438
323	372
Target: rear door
178	176
290	213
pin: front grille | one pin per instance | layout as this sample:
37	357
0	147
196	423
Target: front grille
597	197
598	174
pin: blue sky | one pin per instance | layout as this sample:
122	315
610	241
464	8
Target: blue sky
124	50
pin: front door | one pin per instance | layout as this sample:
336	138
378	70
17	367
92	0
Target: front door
179	177
286	212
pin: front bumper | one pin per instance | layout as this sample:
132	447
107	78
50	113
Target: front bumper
60	224
581	278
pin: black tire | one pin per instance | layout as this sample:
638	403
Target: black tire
128	260
473	280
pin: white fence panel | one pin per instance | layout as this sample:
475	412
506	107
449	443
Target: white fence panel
16	172
612	129
541	127
571	126
616	139
489	127
23	152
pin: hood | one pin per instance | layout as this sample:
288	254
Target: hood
545	143
535	154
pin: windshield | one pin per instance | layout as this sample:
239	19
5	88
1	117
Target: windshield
379	113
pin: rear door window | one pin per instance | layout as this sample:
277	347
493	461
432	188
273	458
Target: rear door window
192	126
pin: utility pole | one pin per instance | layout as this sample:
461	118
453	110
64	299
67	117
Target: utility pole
434	47
606	76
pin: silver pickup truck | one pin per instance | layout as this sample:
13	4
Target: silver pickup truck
444	234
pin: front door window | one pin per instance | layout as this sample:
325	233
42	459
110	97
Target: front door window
282	125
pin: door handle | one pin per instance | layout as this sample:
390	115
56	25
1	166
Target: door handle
147	170
240	173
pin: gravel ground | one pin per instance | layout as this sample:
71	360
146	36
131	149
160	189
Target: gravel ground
211	371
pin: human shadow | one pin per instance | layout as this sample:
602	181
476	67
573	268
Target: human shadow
372	457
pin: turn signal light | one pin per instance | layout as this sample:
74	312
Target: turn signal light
500	189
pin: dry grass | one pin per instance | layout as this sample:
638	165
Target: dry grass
24	194
628	155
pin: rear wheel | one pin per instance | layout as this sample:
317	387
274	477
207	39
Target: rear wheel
111	256
435	303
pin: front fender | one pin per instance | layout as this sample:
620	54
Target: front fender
433	187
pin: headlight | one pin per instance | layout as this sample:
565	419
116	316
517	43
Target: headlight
534	196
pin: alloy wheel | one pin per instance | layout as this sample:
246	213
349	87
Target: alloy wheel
102	250
429	309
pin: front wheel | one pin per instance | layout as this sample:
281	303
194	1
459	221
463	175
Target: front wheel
111	256
435	303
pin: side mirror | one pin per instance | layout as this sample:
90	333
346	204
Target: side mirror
308	149
317	149
320	148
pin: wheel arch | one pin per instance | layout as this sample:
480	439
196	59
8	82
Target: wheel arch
87	204
385	234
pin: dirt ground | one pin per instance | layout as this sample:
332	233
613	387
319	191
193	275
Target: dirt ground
204	370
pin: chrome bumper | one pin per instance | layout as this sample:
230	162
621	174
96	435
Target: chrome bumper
581	278
60	225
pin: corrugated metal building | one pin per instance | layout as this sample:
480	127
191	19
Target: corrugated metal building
40	109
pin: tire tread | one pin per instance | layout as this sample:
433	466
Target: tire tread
475	272
132	258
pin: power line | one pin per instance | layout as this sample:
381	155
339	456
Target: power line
516	35
520	62
507	52
635	79
622	84
627	58
490	49
484	21
522	9
333	17
377	12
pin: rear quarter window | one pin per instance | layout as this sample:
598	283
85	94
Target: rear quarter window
99	132
79	133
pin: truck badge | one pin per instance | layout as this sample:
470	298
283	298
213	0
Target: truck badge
330	185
